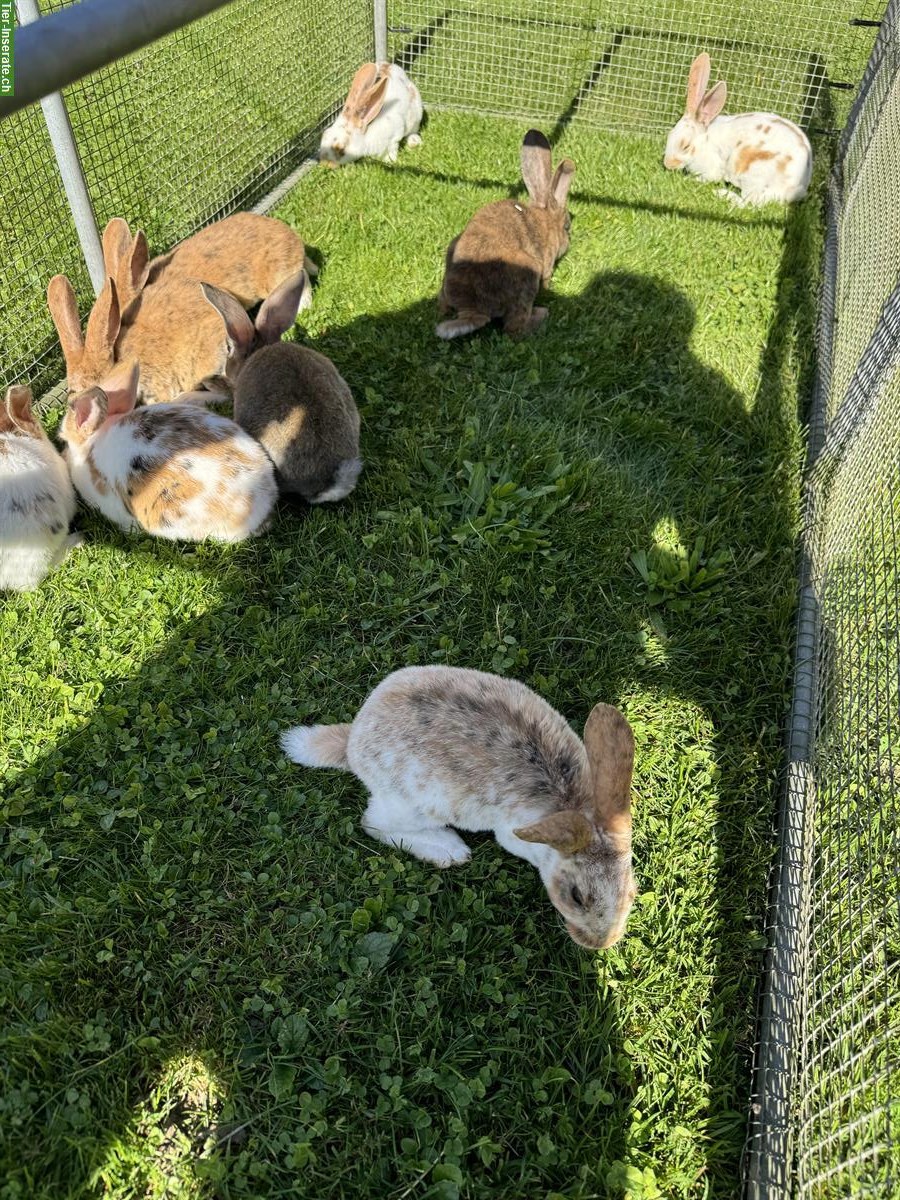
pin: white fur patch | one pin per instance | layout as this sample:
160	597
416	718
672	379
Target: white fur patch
342	485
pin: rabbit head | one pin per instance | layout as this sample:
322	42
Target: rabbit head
243	336
89	357
686	142
93	407
587	868
547	191
345	140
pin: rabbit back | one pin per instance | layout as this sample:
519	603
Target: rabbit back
37	504
477	747
768	157
177	472
245	254
297	405
498	262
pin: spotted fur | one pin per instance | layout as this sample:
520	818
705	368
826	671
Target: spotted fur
382	108
496	266
172	470
37	502
442	746
764	156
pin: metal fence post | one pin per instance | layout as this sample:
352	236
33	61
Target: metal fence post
381	51
66	152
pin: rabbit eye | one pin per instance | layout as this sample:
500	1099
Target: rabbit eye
567	223
576	897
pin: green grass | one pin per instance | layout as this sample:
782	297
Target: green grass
213	983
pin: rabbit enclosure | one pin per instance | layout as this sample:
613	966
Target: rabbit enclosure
214	983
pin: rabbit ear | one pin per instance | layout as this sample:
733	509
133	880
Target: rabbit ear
697	81
64	311
562	181
104	323
536	165
567	831
371	104
280	308
121	388
89	409
362	81
139	262
116	245
712	103
18	404
610	749
238	326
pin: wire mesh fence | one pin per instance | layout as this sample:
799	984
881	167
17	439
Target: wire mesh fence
623	64
827	1110
196	125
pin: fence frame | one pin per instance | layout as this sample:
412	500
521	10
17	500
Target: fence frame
770	1152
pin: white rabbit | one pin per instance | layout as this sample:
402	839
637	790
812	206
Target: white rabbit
174	470
37	501
382	108
763	155
442	746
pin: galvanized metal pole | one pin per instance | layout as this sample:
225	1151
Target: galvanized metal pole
69	164
381	49
65	45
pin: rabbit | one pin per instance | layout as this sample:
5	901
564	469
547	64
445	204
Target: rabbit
172	470
382	108
444	746
300	409
763	155
245	254
175	336
37	500
508	250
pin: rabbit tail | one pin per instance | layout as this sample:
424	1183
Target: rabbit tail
317	745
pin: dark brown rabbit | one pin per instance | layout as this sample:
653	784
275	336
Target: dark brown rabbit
496	266
296	404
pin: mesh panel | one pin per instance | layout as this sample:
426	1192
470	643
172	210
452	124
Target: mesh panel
623	64
827	1104
869	228
201	123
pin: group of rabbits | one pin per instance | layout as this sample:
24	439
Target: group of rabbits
439	748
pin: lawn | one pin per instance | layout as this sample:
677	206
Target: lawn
214	984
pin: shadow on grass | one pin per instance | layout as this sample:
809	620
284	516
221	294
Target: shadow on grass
378	1027
504	189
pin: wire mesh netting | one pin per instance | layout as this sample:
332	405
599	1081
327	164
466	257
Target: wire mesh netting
196	125
827	1108
623	64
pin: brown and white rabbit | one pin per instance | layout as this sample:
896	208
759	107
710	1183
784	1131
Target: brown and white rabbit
299	408
173	470
382	108
763	155
442	747
37	501
245	254
496	266
175	336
